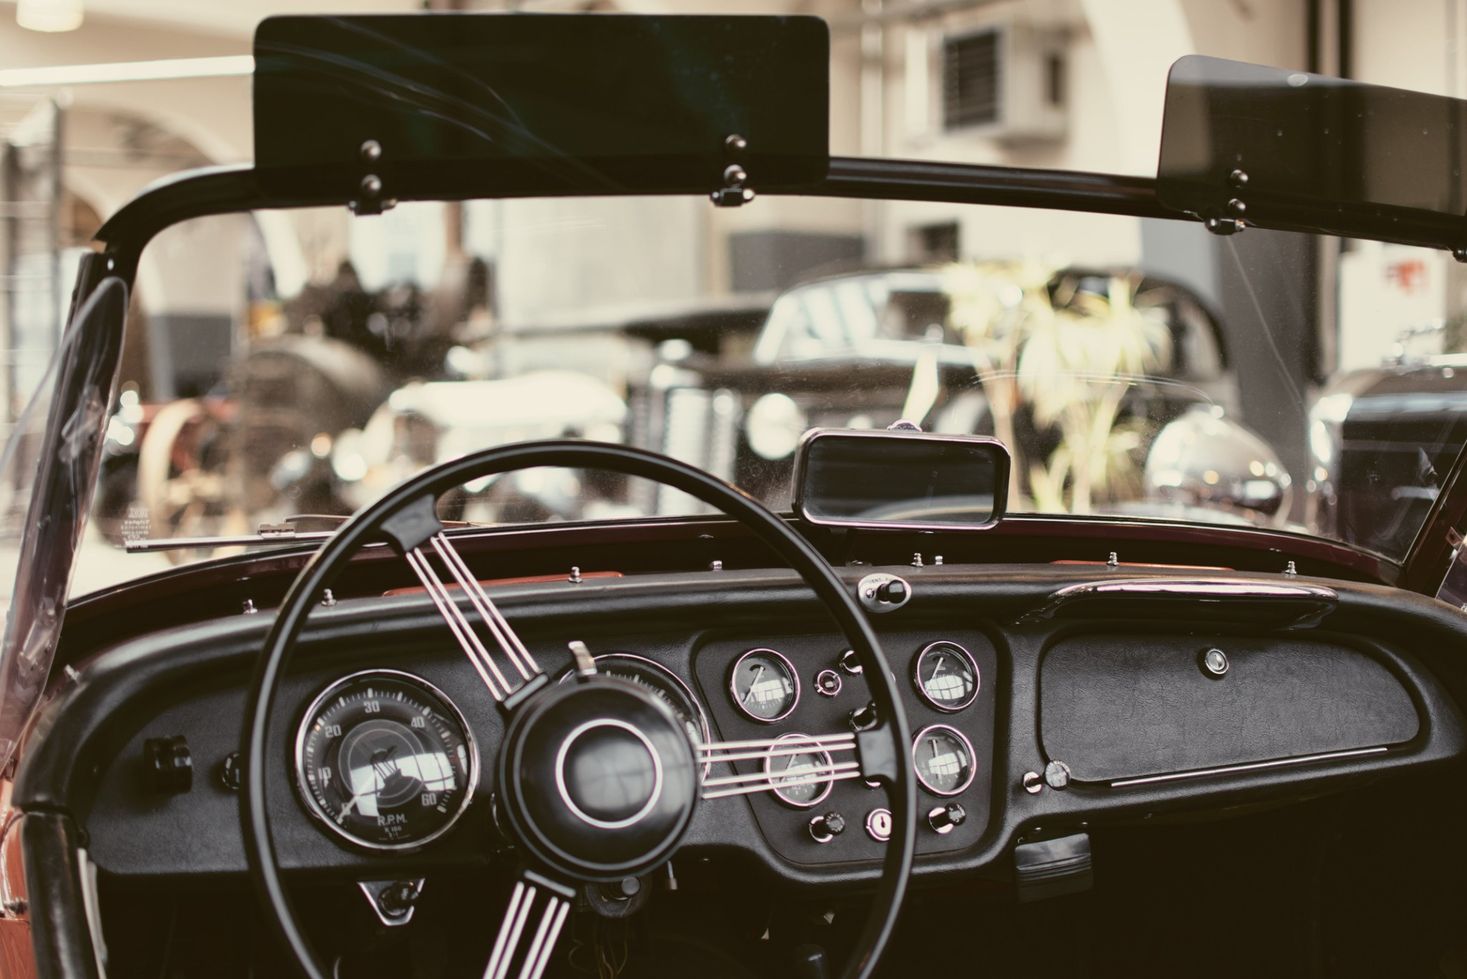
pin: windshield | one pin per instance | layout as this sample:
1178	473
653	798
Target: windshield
289	364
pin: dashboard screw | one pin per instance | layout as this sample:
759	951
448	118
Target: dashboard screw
371	151
1033	783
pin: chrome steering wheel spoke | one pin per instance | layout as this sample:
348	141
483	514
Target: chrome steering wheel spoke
419	536
830	765
530	928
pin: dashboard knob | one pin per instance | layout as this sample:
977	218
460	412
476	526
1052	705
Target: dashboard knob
893	592
169	763
825	828
944	819
850	663
1057	775
864	718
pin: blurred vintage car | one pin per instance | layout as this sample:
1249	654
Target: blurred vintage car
1382	440
931	347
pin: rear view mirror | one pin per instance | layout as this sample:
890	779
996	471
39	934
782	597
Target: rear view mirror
901	480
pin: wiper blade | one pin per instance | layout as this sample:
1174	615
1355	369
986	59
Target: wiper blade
266	535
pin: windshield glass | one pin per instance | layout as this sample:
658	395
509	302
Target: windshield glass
302	363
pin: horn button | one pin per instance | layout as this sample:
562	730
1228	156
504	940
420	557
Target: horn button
597	779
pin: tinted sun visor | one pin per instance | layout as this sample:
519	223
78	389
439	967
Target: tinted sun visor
1309	152
458	105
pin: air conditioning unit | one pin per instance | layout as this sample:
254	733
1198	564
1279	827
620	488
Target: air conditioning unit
1005	81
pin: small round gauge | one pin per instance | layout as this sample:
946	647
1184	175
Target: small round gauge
946	676
944	759
764	685
662	683
795	774
385	760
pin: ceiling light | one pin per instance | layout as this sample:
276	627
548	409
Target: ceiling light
49	15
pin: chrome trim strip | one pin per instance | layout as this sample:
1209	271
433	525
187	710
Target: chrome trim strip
1215	589
1248	767
303	788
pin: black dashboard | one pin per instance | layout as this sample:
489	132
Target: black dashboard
1032	719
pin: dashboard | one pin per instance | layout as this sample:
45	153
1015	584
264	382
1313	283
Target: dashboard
1033	717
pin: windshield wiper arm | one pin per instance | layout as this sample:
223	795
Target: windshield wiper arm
265	535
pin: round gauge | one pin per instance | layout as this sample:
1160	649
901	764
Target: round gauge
946	676
795	774
764	685
662	683
944	759
385	760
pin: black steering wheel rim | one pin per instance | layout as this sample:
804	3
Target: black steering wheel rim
366	527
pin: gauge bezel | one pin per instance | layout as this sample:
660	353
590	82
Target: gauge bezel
699	713
972	665
815	749
314	808
972	760
733	694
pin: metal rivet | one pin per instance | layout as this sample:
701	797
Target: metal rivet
328	598
575	576
734	175
917	559
371	151
937	559
715	565
1237	206
1290	570
1113	560
249	607
1238	178
735	143
1033	783
371	185
1214	662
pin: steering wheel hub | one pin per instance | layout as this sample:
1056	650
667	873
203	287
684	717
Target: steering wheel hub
597	779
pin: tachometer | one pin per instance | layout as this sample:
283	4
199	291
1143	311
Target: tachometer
385	760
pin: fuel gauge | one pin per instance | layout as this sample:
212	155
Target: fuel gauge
764	685
944	759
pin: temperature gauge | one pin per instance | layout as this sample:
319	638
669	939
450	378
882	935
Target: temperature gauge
944	759
764	685
946	676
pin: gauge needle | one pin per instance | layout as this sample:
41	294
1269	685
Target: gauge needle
758	672
937	669
933	742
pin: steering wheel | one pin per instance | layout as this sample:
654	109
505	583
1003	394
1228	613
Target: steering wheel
557	735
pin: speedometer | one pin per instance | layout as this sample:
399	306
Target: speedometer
385	760
662	683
